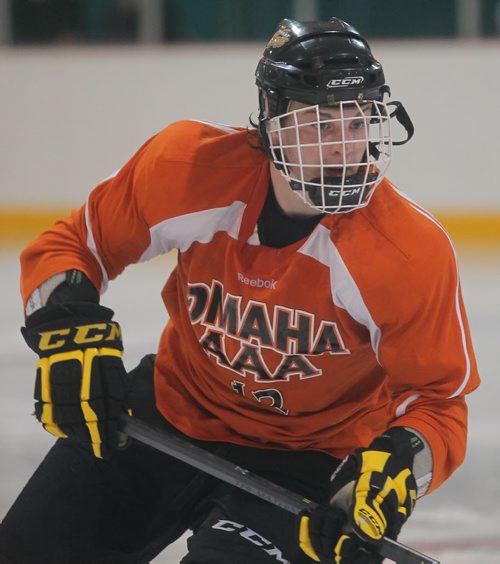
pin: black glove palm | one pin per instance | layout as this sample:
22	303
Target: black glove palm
81	386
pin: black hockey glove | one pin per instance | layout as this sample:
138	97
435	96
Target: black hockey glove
81	386
373	492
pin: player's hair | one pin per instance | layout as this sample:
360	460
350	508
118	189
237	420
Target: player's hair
254	138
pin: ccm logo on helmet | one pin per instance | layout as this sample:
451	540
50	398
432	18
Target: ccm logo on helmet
344	82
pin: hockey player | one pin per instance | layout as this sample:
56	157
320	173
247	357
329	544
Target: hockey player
317	334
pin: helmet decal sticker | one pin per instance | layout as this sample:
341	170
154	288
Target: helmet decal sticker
281	36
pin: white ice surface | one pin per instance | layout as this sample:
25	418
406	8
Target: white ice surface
459	523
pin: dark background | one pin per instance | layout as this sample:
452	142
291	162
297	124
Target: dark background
89	21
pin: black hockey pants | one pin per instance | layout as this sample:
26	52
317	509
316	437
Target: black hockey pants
77	509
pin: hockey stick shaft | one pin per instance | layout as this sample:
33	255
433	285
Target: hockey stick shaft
182	449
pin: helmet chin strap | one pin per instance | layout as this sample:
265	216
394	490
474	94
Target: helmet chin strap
342	196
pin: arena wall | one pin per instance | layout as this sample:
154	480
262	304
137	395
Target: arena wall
70	116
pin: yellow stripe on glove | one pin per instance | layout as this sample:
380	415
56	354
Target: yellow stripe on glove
305	539
369	514
86	359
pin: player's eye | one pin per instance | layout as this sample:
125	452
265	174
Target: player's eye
324	125
357	124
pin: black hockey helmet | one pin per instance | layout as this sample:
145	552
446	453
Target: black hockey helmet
317	63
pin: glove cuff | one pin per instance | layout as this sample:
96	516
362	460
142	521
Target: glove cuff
401	442
84	312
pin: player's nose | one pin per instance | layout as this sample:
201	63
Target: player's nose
337	149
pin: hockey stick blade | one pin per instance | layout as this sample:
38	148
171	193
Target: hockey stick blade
182	449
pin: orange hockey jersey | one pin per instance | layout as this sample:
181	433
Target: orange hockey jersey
322	344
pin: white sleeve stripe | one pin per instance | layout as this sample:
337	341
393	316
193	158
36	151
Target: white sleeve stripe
401	409
426	214
111	176
345	292
93	248
220	126
182	231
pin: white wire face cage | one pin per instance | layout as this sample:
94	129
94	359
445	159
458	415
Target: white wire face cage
333	157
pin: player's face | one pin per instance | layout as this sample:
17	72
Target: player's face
330	138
